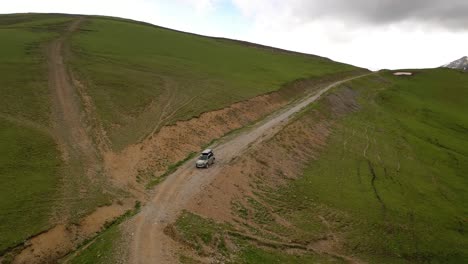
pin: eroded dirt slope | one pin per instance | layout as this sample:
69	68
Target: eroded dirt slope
139	163
240	185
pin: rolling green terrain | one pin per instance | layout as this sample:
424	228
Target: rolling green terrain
142	77
390	183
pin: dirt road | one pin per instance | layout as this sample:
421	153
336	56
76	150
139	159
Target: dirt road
66	106
148	243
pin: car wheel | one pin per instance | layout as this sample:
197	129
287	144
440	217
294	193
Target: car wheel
207	165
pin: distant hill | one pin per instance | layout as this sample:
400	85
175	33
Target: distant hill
460	64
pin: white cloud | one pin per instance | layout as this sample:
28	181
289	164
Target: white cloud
405	43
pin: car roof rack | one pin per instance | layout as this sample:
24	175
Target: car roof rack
207	151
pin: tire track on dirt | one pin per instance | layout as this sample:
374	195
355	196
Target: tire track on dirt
67	112
149	243
26	123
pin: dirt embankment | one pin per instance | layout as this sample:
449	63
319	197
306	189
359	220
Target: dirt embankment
138	163
276	161
269	165
63	238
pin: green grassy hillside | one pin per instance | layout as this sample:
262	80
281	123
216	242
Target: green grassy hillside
390	185
400	184
142	77
29	158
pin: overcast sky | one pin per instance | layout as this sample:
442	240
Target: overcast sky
374	34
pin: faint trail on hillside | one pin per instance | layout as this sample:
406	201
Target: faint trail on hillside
67	111
364	153
148	243
304	248
374	188
27	123
69	118
171	114
166	116
345	143
98	132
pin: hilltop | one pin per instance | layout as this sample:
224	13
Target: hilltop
460	64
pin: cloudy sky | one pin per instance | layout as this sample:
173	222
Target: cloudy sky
374	34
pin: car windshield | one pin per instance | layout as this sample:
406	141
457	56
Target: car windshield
203	157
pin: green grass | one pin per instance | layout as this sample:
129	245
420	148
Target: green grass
201	233
105	247
102	250
134	70
398	189
28	182
188	260
251	255
23	69
29	159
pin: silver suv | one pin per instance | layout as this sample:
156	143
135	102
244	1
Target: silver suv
206	159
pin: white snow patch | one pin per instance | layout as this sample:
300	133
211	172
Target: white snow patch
402	73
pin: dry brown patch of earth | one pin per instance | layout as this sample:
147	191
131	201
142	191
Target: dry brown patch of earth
139	163
264	168
61	239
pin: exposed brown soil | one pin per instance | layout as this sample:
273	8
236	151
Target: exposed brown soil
58	241
138	163
276	161
273	163
174	143
149	243
70	129
69	125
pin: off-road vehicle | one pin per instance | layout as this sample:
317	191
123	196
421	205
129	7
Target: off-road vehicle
206	159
